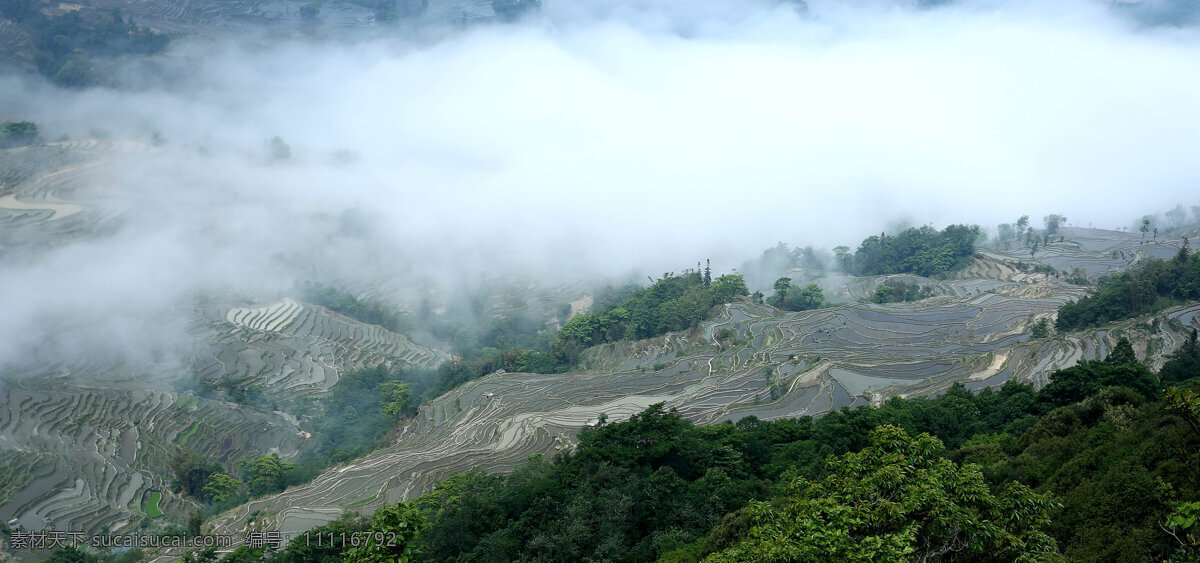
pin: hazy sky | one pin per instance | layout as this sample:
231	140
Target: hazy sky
616	136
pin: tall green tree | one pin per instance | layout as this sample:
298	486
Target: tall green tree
898	500
390	537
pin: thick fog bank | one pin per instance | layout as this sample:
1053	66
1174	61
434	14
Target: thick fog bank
602	138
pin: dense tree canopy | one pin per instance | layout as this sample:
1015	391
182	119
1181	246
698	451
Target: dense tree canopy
924	251
794	298
897	499
1148	288
673	303
17	133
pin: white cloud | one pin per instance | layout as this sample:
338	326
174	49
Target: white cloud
605	136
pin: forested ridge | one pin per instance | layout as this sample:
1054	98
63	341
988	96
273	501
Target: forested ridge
923	251
1148	288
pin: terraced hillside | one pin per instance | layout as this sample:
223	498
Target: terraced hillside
293	349
50	194
1097	251
752	360
85	457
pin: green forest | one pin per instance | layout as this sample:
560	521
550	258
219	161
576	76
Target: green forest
923	251
1148	288
672	303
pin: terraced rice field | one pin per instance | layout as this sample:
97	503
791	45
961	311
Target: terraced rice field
1097	251
768	364
50	196
293	349
88	458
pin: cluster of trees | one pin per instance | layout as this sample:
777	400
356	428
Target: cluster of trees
18	133
778	260
234	389
793	298
924	251
1148	288
209	481
66	43
672	303
360	410
1099	465
899	292
1021	231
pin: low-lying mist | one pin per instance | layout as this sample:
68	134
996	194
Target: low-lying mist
594	140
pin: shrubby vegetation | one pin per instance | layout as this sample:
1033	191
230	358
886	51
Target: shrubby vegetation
923	251
1148	288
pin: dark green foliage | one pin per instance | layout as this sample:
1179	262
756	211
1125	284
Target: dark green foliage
192	471
656	484
358	412
633	491
1117	462
221	488
898	291
1084	379
1040	329
1183	364
1151	287
794	298
898	499
390	536
673	303
18	133
315	545
923	251
268	474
